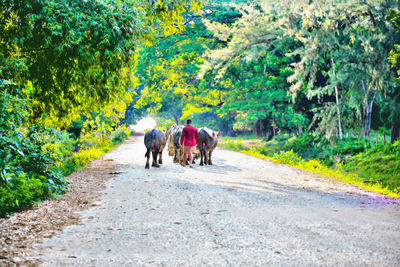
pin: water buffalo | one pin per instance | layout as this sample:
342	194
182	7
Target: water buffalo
174	134
175	149
208	140
168	131
154	141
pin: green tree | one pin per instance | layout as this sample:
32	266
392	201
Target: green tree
79	55
344	47
250	73
394	58
168	69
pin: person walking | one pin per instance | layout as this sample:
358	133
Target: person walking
189	140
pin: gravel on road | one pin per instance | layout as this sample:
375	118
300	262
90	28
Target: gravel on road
240	211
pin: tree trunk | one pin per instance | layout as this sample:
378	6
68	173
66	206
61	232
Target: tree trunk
274	129
337	102
371	103
395	115
367	110
395	131
258	127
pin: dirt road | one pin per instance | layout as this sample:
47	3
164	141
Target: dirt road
240	211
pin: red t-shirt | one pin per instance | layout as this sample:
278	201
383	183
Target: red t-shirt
189	136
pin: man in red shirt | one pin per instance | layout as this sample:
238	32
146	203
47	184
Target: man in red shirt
189	140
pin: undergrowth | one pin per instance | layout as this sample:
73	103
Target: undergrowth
34	161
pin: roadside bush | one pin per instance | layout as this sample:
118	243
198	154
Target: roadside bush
281	139
21	192
30	167
34	162
30	157
331	153
34	159
298	143
97	137
378	165
120	134
98	134
81	159
306	145
288	157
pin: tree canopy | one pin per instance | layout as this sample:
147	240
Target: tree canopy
325	66
70	57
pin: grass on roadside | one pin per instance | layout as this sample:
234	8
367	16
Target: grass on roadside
377	169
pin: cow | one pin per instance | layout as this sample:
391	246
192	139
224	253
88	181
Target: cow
155	142
208	140
175	149
174	134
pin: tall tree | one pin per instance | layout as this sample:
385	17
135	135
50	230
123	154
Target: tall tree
169	68
394	58
79	55
358	38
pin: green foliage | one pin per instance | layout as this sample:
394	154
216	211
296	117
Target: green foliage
394	56
58	52
21	192
163	123
308	52
377	165
78	55
226	15
31	150
300	143
394	59
258	91
169	69
311	147
98	133
30	157
211	120
34	162
288	157
81	159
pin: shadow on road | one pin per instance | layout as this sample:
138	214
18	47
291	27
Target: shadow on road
220	169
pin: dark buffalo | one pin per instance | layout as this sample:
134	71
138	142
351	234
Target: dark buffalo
154	141
208	140
168	131
174	142
175	149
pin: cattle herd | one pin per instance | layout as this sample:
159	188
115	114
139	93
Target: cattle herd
155	141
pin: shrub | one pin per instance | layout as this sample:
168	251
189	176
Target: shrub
21	192
120	134
35	159
30	156
93	145
281	138
289	157
380	164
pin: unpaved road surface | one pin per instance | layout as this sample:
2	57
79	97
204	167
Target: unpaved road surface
240	211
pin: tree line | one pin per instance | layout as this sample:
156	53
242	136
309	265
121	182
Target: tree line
322	67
